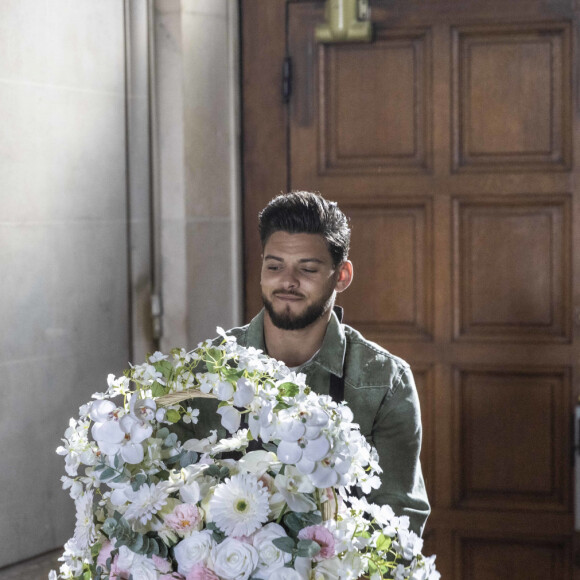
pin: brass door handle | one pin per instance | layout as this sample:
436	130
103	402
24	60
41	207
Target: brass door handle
342	23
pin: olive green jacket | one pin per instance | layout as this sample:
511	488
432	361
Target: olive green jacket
380	390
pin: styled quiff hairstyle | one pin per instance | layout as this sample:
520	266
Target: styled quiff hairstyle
303	212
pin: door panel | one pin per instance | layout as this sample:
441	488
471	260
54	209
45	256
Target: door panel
448	141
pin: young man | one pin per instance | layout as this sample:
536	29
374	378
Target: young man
305	242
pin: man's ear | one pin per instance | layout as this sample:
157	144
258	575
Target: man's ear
345	274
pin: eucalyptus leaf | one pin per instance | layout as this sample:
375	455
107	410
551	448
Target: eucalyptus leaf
107	473
162	433
99	467
120	478
285	544
137	544
170	440
188	458
307	548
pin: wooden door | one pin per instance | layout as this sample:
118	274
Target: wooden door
449	143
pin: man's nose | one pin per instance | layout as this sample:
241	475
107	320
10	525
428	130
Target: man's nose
289	279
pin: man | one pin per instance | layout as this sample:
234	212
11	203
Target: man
305	242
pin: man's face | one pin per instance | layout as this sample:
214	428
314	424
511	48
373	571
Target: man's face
298	279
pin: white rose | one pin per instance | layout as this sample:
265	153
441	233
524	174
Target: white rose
194	549
234	560
138	566
288	574
330	570
271	557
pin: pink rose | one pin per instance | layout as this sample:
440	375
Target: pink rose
200	572
322	537
184	518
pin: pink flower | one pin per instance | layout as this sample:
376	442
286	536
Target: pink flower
200	572
104	554
184	518
161	564
322	537
114	571
173	576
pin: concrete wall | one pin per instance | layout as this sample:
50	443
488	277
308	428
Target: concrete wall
66	305
197	104
81	167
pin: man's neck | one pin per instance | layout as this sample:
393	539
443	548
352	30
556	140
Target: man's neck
295	347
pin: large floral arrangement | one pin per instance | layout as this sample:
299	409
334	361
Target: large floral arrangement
151	506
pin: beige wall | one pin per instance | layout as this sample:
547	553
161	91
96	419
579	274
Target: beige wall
63	245
197	96
76	176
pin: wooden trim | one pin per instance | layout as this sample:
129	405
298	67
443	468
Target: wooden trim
264	152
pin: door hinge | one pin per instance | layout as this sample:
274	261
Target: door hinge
156	316
286	79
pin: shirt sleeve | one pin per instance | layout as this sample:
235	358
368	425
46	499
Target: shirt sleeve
396	435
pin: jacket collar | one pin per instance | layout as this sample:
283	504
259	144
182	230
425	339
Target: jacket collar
331	354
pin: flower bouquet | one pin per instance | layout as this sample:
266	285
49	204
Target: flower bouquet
272	499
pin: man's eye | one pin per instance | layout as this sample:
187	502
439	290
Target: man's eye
309	271
273	268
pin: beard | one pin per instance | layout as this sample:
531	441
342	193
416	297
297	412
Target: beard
286	320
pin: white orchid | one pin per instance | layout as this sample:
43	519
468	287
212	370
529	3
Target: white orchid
116	432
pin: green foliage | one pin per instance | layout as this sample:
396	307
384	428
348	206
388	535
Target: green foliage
172	416
307	548
295	521
158	390
288	389
285	544
165	368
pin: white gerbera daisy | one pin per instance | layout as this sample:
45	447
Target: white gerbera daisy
239	505
85	533
146	501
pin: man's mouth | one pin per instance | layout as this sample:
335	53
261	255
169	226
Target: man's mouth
291	296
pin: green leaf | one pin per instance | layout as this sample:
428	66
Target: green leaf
281	406
140	479
170	440
288	389
307	548
107	474
99	467
137	544
162	433
188	458
118	461
153	547
164	367
120	478
158	390
172	416
295	521
383	543
285	544
270	447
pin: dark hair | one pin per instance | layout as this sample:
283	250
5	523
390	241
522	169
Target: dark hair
303	212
